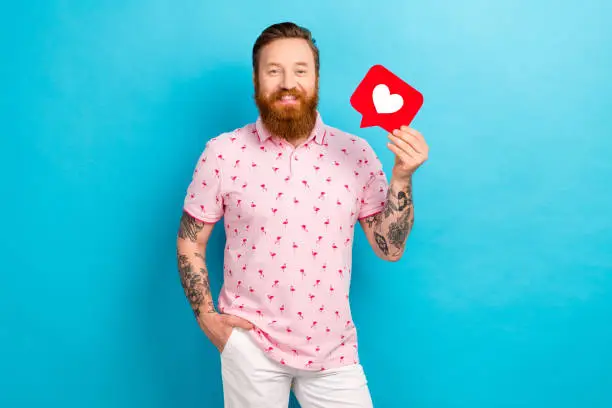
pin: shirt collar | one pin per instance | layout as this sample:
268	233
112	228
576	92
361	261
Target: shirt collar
318	132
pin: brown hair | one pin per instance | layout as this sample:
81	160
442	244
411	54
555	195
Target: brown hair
284	30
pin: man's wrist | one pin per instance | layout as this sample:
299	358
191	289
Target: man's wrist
401	182
205	309
207	315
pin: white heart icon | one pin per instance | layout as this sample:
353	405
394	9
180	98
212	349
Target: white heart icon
384	102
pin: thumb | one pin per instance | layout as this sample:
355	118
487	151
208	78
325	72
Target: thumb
236	321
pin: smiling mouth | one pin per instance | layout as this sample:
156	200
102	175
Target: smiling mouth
288	100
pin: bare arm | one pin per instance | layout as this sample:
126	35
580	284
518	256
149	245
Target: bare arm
191	255
388	230
191	243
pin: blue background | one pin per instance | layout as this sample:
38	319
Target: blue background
503	297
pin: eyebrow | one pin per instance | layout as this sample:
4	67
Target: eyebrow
305	64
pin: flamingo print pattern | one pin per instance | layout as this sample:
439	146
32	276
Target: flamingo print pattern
289	215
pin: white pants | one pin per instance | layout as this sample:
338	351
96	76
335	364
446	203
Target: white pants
252	380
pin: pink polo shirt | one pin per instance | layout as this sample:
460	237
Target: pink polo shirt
289	215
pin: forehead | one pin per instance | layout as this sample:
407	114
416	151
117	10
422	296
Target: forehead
287	51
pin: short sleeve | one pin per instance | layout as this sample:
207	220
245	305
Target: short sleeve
374	192
204	200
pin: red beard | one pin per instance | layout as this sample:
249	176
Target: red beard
291	122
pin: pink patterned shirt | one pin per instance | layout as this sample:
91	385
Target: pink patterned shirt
289	216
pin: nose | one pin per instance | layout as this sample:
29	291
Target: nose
289	81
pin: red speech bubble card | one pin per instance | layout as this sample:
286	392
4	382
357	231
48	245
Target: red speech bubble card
385	100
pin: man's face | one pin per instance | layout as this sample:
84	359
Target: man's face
286	88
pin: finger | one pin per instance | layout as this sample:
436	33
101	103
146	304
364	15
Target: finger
403	145
404	157
416	136
236	321
406	138
413	132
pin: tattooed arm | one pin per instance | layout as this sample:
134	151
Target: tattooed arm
388	230
191	256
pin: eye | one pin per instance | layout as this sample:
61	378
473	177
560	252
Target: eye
301	71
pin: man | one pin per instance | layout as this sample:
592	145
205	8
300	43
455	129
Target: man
290	189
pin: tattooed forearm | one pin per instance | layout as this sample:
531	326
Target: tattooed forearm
393	224
192	266
189	227
196	286
399	230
